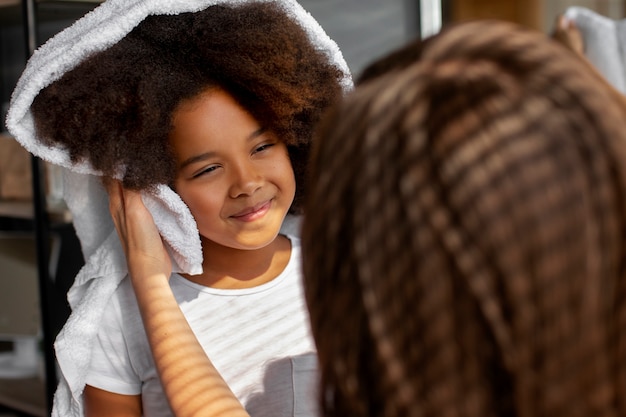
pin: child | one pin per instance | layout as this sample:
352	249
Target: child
464	235
217	103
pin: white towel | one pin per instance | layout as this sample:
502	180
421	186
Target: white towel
105	264
605	43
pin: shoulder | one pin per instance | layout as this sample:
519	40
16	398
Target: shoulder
124	295
295	258
295	243
121	328
122	307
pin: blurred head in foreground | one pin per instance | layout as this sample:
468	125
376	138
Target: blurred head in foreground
464	238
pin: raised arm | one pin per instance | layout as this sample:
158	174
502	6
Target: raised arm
192	384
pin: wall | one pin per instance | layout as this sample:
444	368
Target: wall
538	14
525	12
365	29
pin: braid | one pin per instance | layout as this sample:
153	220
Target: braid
464	243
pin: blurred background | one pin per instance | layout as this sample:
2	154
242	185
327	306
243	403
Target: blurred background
39	252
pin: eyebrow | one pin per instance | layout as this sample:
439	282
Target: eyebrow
203	156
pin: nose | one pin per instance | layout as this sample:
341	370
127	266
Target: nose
246	179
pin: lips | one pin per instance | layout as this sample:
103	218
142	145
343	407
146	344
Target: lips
253	213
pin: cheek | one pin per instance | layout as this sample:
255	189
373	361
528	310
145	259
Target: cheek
201	203
287	171
285	178
292	182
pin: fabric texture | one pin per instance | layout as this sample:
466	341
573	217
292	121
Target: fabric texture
269	361
605	43
105	265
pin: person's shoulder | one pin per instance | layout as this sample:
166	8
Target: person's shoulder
123	298
295	240
295	257
122	310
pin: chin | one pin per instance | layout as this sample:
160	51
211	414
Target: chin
255	243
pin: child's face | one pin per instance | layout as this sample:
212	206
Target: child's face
235	177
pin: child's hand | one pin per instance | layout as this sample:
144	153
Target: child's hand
145	253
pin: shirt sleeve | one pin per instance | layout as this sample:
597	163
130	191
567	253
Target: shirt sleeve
111	368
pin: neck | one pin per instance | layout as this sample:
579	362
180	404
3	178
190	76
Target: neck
230	268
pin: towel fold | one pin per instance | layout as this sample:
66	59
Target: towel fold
105	265
605	43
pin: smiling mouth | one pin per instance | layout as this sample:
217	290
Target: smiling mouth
253	213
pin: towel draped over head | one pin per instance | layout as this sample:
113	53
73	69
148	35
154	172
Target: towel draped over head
84	194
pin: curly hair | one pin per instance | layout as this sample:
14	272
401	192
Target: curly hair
463	247
115	108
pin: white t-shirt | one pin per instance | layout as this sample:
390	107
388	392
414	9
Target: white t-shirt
258	338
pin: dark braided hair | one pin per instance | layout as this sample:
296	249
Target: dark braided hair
463	246
115	108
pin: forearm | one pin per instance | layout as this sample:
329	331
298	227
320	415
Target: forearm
192	384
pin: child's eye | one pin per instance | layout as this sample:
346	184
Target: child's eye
263	147
205	171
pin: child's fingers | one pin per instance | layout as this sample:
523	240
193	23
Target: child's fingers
137	231
130	217
113	189
116	206
122	200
